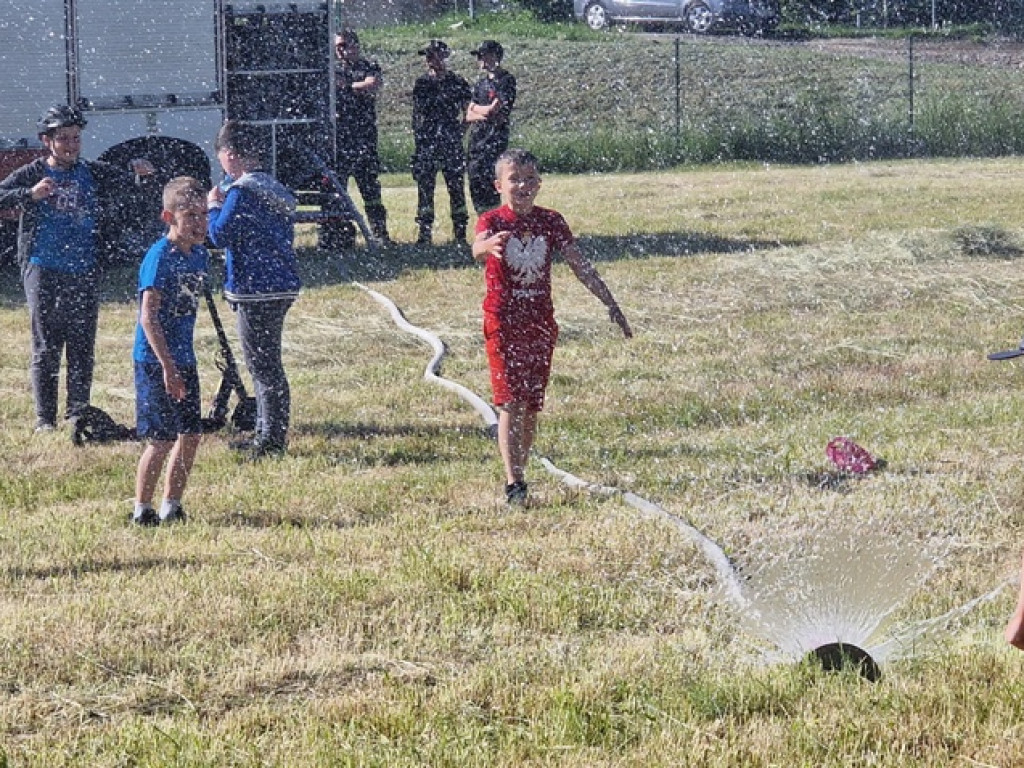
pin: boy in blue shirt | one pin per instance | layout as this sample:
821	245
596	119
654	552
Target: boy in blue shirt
167	403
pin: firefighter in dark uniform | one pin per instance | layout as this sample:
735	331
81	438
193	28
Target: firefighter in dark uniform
357	81
488	118
439	101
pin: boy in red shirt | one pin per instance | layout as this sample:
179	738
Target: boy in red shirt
516	243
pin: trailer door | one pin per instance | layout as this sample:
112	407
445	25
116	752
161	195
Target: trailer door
140	53
33	60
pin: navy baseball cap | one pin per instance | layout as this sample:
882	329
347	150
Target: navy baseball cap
489	47
438	47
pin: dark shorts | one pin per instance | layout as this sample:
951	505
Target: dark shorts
519	355
157	416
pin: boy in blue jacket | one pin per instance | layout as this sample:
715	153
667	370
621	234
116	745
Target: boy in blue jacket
253	218
167	405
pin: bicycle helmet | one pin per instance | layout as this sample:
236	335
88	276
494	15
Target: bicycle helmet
60	116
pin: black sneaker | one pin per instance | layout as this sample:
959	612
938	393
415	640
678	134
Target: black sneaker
425	236
242	445
515	494
460	234
176	515
265	450
146	518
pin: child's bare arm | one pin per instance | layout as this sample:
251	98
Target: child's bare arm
149	318
585	272
477	113
485	244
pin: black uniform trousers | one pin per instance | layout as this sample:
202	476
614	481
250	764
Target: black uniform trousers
451	162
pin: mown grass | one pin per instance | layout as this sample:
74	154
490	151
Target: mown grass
370	601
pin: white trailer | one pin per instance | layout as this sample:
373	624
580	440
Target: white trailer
158	78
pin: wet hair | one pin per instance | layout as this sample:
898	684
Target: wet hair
182	192
515	157
243	139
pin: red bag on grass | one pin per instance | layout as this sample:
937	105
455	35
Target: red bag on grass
849	456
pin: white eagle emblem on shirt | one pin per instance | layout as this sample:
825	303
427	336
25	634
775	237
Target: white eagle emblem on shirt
526	259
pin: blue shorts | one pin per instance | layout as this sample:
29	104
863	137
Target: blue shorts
157	416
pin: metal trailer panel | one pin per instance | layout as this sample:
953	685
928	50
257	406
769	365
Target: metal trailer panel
140	53
33	66
198	125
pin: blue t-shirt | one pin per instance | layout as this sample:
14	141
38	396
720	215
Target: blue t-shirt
179	278
64	239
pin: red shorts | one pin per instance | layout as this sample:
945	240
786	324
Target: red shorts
519	355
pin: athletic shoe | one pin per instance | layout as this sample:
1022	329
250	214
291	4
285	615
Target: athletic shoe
242	445
425	236
515	494
43	426
460	233
265	449
146	517
176	515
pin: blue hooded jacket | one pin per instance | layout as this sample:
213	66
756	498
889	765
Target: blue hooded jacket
256	226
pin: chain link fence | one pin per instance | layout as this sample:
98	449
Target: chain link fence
636	102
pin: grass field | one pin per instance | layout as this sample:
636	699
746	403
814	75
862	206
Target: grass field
370	601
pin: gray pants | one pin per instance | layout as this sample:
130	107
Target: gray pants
63	311
260	326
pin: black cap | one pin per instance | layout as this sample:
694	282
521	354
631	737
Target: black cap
489	47
438	47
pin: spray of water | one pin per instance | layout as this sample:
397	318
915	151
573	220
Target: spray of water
830	595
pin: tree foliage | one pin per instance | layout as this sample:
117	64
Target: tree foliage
1003	15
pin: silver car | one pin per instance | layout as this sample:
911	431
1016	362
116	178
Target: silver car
700	16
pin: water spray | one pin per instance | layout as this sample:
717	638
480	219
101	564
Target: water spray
833	655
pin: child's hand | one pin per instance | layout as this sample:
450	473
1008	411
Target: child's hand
44	189
215	197
173	383
495	244
489	244
615	313
141	166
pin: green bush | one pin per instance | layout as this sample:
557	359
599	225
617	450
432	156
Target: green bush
545	10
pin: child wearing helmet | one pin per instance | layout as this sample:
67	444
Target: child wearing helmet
64	203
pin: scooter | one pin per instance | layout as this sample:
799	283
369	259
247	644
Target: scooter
243	418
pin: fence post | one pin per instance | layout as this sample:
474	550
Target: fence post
910	92
679	103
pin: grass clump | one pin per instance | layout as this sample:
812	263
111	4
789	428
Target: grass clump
988	241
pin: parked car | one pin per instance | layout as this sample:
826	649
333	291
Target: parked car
700	16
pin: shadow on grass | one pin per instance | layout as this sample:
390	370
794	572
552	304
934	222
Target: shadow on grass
100	566
361	264
333	429
320	268
270	519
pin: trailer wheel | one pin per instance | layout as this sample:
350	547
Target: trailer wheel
137	225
